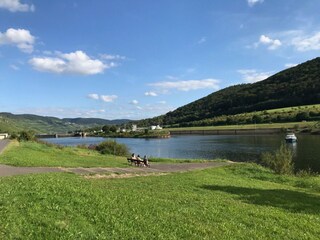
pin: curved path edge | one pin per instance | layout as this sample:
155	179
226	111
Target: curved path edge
6	170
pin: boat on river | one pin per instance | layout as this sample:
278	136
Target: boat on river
291	138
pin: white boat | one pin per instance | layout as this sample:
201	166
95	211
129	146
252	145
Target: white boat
291	138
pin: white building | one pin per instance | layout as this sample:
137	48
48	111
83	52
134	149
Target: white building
155	127
4	135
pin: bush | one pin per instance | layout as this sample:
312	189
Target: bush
26	136
280	161
114	148
302	116
13	136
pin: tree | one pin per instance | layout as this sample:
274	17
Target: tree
256	119
302	116
106	129
113	129
112	147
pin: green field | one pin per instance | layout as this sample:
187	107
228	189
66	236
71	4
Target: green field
291	125
242	201
11	125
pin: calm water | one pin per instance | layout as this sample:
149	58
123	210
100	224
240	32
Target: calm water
235	148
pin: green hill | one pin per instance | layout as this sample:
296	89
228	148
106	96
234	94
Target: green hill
14	123
296	86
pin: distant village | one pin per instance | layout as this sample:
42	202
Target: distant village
135	128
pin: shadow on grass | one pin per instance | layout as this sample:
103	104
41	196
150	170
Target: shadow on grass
293	201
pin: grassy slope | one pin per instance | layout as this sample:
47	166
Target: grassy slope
284	112
35	154
242	201
11	124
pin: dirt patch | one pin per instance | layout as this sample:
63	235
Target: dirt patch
125	175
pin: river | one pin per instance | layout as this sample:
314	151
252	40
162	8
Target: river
237	148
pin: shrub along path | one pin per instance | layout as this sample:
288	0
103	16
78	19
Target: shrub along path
6	170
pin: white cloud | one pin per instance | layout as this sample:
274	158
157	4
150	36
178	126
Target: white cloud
77	62
104	98
251	3
108	98
251	75
307	43
290	65
55	65
134	102
16	6
112	57
151	94
20	38
271	43
188	85
93	96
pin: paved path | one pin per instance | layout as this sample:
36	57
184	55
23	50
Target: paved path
158	168
6	170
3	144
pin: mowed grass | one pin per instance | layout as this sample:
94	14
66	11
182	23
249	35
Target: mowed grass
242	201
36	154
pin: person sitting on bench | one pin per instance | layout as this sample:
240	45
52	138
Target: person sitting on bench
139	160
146	161
133	159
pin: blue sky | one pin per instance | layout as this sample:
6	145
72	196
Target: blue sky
117	59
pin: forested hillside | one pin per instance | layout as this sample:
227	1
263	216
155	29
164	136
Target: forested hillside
14	123
296	86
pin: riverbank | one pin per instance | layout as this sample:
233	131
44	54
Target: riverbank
136	134
249	129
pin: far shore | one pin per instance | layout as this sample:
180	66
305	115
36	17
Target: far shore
249	129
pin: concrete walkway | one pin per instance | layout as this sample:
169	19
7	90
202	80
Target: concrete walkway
6	170
155	168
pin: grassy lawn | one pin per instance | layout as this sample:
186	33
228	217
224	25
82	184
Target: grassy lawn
36	154
290	125
33	154
242	201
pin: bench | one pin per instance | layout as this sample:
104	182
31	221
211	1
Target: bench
137	162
